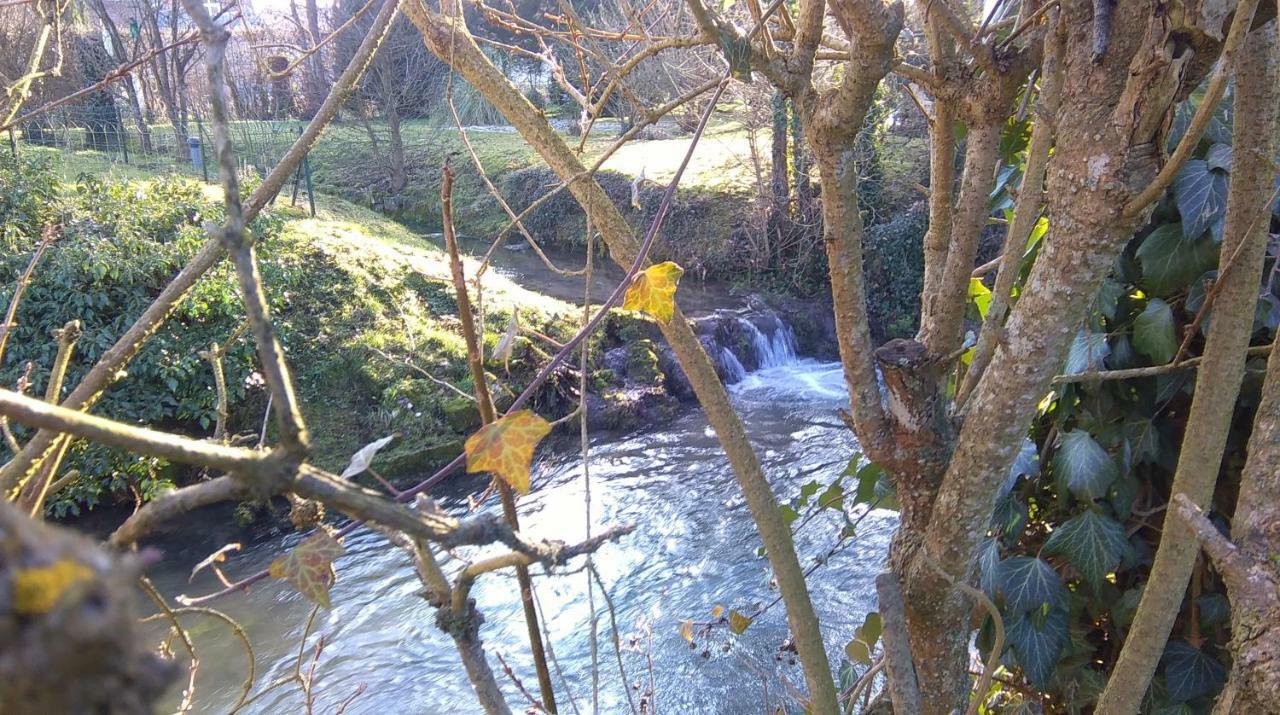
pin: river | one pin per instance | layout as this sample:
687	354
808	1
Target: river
695	547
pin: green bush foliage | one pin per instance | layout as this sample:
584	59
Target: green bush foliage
117	246
1078	519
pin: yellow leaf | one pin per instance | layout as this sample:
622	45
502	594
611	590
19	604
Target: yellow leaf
686	630
738	622
717	611
654	291
308	567
38	589
505	447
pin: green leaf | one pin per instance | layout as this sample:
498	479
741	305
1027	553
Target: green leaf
1153	333
1082	466
1215	610
864	641
1219	157
1087	352
989	566
738	623
980	295
1091	542
832	497
1009	515
1190	672
1201	196
1169	263
1029	584
1037	642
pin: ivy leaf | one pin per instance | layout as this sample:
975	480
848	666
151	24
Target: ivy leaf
361	460
1091	542
1153	333
308	567
738	623
1029	584
1219	157
1082	466
1037	642
1087	352
1201	196
1009	515
1169	263
980	296
505	447
1190	672
989	566
653	291
864	639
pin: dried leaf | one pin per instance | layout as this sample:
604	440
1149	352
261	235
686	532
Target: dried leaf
717	611
308	567
508	342
738	622
686	630
505	447
216	557
654	291
361	460
38	589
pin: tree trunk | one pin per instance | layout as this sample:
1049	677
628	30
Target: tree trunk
396	161
120	54
1105	155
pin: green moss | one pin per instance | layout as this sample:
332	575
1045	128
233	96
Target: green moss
642	362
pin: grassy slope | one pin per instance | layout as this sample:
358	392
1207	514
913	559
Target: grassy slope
351	282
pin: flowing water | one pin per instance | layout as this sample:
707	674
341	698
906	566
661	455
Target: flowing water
695	547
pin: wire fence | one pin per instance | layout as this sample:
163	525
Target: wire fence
102	132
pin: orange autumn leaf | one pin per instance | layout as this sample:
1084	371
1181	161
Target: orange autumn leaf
308	567
505	447
654	291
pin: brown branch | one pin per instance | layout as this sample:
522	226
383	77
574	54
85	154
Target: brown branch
11	315
1136	372
903	688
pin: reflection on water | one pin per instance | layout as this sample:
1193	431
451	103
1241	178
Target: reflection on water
695	547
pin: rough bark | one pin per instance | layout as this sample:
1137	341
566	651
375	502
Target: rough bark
73	646
1105	154
1218	380
452	43
1026	211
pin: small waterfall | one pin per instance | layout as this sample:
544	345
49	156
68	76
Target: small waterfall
731	366
776	349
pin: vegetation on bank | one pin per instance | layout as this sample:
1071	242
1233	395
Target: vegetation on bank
364	307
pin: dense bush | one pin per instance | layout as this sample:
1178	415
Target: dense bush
893	263
117	246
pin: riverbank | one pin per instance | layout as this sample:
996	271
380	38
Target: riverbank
366	311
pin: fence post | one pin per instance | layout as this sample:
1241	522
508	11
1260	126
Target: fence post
197	155
124	142
13	144
311	194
